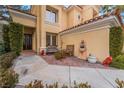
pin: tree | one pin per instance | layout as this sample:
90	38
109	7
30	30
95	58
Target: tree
109	8
25	8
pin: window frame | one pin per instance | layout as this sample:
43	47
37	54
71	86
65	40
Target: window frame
49	17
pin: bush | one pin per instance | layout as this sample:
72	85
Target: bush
6	38
40	84
118	62
116	41
13	37
16	37
120	83
2	50
6	59
60	54
35	84
8	79
81	85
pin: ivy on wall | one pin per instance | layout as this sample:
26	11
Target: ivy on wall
116	41
16	37
13	37
6	38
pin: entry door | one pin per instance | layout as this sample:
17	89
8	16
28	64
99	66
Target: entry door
27	44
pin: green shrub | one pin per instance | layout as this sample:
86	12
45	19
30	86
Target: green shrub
13	37
81	85
118	62
60	54
6	59
2	49
116	41
6	38
35	84
54	85
120	83
16	37
8	79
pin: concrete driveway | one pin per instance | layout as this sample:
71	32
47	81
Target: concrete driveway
34	67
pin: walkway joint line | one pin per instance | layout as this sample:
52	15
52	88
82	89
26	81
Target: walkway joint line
105	78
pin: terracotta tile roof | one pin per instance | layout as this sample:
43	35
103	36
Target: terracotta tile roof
114	13
9	7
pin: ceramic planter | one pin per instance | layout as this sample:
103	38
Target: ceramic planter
92	59
82	49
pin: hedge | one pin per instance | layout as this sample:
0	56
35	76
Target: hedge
6	38
2	50
16	37
116	41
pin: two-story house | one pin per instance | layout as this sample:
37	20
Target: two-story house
48	27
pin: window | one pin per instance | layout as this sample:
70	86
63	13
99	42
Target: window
51	39
48	39
51	16
54	40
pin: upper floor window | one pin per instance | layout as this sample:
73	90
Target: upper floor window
51	15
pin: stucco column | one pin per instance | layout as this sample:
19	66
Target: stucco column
38	30
42	29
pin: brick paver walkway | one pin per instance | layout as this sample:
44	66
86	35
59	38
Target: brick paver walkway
72	61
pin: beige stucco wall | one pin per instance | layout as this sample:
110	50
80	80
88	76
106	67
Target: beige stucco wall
70	18
87	13
97	42
76	13
66	19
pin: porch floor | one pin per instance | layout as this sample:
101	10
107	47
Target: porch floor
28	53
72	61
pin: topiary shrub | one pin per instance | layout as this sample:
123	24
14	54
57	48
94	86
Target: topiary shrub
6	38
6	60
16	37
116	41
8	79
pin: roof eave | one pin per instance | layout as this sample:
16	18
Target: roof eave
21	13
109	22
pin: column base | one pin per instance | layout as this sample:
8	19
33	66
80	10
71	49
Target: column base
42	51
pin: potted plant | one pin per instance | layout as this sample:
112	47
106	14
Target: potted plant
92	59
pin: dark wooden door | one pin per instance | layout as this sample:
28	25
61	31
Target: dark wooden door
27	44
